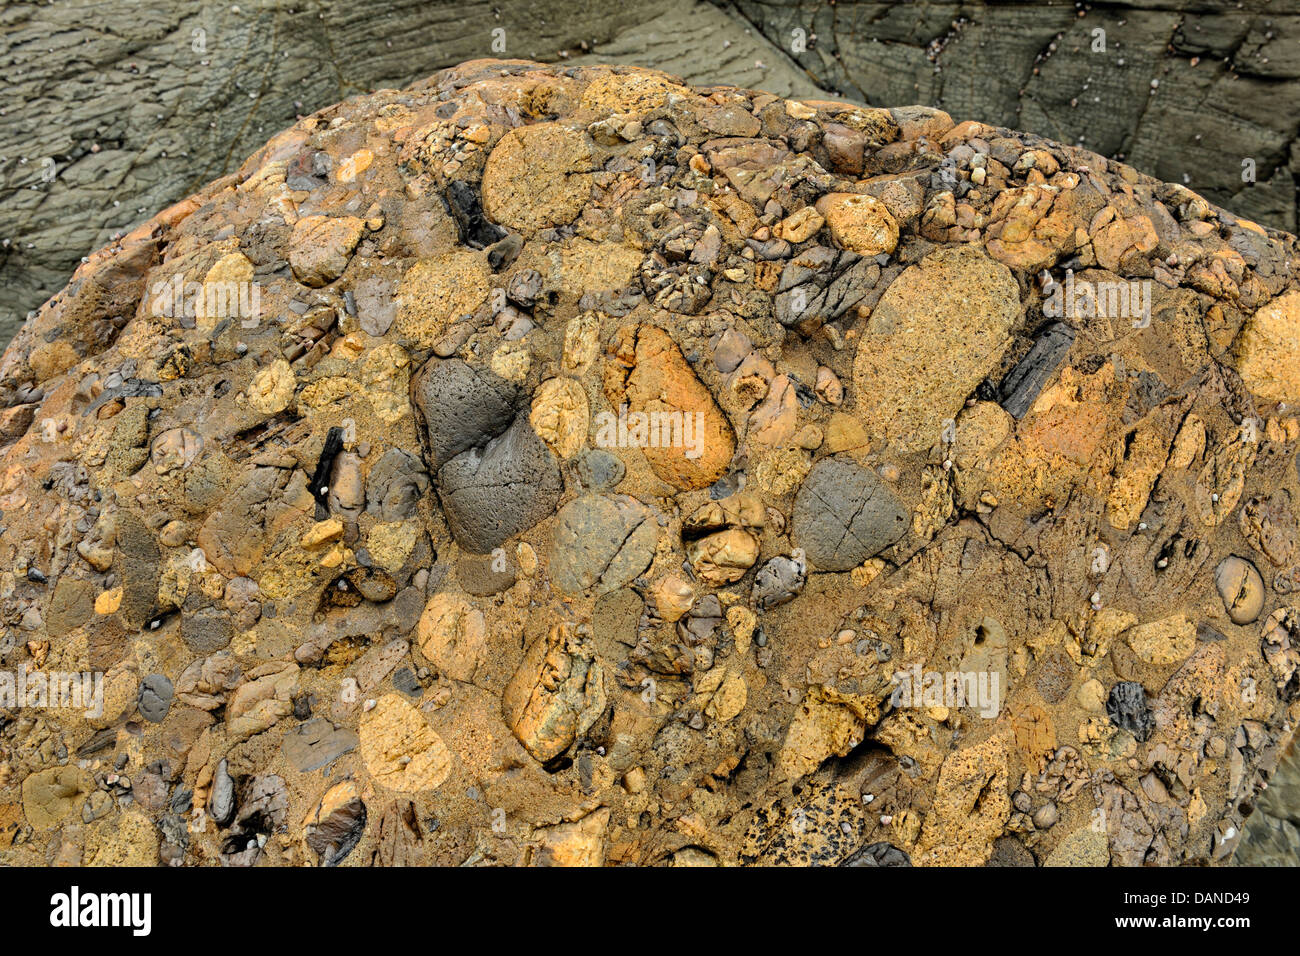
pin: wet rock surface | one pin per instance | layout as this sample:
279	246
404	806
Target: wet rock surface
678	518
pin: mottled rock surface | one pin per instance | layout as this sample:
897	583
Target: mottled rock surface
105	126
678	517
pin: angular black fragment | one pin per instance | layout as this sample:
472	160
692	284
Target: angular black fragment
319	486
878	854
1127	708
101	741
475	231
1026	380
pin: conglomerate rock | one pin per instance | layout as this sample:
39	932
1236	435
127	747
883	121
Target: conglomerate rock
571	466
105	125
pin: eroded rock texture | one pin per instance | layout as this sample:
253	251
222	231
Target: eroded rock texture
615	471
1176	89
118	110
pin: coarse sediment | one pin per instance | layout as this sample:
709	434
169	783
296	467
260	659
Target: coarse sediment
616	471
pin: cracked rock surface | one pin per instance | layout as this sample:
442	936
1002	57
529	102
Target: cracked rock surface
684	516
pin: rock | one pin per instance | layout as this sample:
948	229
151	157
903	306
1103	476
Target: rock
556	694
939	329
1267	347
731	350
475	231
461	407
155	698
471	485
272	390
602	543
778	581
971	801
335	827
859	223
453	636
1241	589
800	226
401	751
724	556
51	795
396	485
1271	527
819	729
362	530
1008	851
317	743
560	416
207	630
1031	373
435	292
483	574
580	843
262	811
673	597
321	246
599	470
537	176
1127	708
690	441
843	515
221	799
878	854
1166	641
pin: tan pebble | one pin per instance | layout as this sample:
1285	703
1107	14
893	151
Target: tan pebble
1092	696
354	165
173	534
322	533
392	730
560	415
634	780
723	557
673	597
271	391
799	226
859	223
809	437
743	623
452	634
108	601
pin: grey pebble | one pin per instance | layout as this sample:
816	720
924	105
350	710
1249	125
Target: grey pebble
155	698
844	514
